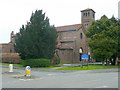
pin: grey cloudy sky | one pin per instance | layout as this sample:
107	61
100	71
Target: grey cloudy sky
15	13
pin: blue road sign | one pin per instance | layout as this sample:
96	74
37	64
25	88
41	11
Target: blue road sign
85	57
28	68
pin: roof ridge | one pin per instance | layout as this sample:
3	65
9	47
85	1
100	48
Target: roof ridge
87	10
68	25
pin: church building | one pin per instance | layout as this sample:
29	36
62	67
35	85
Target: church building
72	42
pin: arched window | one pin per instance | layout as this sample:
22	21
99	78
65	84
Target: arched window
81	35
83	14
88	13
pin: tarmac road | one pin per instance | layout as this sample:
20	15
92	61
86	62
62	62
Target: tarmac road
59	79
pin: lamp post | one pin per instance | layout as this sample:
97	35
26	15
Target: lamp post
80	52
89	55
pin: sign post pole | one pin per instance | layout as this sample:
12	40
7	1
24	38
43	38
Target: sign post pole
85	57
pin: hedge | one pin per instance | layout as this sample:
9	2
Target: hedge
37	62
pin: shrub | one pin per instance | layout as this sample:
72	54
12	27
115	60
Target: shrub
36	62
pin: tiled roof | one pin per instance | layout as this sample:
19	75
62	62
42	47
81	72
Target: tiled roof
68	27
88	10
66	48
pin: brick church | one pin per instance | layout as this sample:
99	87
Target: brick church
72	41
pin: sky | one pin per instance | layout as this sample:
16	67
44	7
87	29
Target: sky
15	13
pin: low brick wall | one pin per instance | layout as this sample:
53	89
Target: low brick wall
10	58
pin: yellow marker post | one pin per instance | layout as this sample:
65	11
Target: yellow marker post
28	71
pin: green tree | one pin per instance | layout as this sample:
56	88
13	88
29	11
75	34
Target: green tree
37	39
104	38
103	47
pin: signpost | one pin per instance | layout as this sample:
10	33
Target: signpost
85	57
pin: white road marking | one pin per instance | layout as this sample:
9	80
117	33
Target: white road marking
103	87
96	80
26	79
22	79
40	78
51	74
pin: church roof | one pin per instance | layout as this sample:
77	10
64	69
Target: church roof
87	10
68	27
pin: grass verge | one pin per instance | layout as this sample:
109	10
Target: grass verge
17	65
47	67
90	67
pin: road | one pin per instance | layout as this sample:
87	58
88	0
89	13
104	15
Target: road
59	79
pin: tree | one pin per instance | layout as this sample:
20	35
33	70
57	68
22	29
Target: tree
37	39
104	38
103	47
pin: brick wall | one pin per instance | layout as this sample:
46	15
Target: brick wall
66	55
8	48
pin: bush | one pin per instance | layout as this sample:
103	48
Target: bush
36	62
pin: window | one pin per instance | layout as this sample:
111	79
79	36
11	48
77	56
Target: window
84	14
88	13
81	36
86	25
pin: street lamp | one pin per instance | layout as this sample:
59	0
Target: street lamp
80	52
89	54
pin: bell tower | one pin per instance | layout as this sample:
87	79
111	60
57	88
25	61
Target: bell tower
87	16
